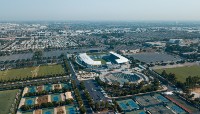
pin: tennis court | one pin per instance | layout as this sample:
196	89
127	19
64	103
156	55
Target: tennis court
47	87
146	100
48	111
67	86
55	97
137	112
128	104
159	109
132	104
161	98
32	89
70	110
30	101
176	108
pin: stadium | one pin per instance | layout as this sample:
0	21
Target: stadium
100	59
123	77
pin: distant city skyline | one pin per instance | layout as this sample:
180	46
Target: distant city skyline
100	10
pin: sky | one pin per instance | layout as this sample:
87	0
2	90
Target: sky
97	10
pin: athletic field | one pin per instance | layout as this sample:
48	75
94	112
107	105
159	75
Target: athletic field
31	72
6	100
182	72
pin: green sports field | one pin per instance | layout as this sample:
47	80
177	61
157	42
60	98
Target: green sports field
31	72
102	61
182	72
6	100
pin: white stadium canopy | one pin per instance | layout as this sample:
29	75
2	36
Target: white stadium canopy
84	57
121	58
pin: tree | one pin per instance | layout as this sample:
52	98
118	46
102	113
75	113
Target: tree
97	105
82	85
164	73
106	105
82	110
37	55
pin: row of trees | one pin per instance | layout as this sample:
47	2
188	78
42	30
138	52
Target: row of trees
102	105
78	97
190	82
171	77
66	65
97	106
29	78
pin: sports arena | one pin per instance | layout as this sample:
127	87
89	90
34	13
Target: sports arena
122	77
100	59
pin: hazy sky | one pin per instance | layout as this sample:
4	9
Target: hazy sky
100	10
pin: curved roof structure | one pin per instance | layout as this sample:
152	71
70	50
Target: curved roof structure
120	59
84	57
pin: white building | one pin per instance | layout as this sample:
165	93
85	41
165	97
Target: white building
176	41
120	59
87	60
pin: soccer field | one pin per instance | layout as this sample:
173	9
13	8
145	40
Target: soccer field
31	72
182	72
6	100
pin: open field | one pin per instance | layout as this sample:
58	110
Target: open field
31	72
182	72
6	100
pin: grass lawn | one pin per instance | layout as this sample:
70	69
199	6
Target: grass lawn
96	53
31	72
182	72
102	61
6	100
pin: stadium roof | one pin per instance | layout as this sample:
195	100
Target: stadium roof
88	60
121	58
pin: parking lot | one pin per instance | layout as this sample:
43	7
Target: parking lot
155	57
95	91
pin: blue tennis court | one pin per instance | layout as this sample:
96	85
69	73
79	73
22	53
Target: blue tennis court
136	112
47	87
32	89
123	106
161	98
48	112
65	86
142	113
128	104
55	98
177	109
29	102
132	104
71	110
